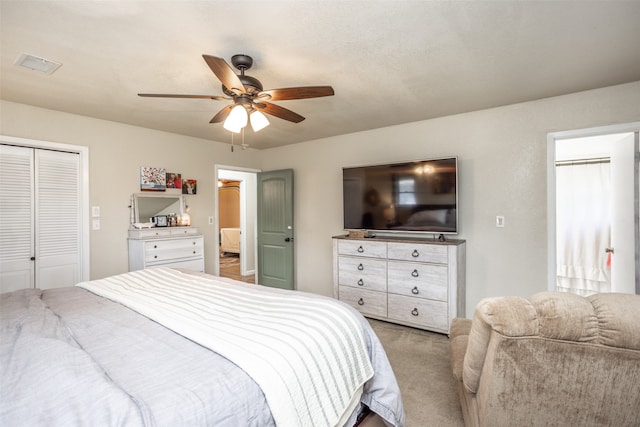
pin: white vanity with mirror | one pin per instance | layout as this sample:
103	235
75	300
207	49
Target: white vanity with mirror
153	239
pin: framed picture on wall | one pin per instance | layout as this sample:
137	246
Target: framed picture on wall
153	179
174	180
189	186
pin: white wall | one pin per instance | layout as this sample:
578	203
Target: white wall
502	171
116	152
502	160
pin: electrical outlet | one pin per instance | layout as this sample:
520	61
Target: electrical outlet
95	224
500	221
210	220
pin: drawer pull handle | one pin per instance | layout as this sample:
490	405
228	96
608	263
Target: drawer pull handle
360	249
415	273
194	252
414	312
360	282
415	290
415	253
360	301
360	267
194	243
155	246
155	256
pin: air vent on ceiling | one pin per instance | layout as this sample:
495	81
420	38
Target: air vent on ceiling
37	64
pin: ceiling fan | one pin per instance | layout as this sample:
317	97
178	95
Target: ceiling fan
249	98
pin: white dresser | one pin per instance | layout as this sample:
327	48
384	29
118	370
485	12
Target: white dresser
414	282
174	247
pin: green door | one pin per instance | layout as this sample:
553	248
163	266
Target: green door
275	229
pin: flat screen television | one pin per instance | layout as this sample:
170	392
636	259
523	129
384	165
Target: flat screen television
418	196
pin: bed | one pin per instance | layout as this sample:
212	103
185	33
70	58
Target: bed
154	348
230	240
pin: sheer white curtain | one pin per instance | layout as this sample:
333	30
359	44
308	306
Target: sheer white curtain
583	227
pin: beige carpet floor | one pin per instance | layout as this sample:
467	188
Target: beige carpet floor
420	361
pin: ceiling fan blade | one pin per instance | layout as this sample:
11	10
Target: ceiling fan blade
296	93
276	110
225	73
167	95
222	114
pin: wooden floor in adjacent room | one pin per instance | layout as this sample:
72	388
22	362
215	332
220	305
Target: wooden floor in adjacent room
230	267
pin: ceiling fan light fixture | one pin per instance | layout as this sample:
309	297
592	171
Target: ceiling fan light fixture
258	121
237	119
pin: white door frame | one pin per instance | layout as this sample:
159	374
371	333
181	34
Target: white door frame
83	153
248	218
551	191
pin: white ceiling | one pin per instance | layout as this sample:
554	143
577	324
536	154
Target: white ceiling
390	62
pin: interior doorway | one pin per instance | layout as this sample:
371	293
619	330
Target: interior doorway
235	221
593	207
229	229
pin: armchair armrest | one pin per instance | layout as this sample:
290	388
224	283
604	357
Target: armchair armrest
509	316
458	337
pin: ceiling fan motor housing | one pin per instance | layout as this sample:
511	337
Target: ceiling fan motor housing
251	85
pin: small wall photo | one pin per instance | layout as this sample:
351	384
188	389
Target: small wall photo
174	180
189	186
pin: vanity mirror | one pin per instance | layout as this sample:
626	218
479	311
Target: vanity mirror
146	206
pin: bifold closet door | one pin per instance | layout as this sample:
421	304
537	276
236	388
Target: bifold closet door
57	214
16	218
40	234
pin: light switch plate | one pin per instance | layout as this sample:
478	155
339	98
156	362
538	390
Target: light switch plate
499	221
95	211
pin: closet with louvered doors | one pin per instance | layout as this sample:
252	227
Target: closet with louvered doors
40	218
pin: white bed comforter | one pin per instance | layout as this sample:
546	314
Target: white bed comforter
308	355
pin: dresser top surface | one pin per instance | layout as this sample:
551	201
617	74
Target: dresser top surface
403	239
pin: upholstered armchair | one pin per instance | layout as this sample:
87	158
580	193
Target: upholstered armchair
554	359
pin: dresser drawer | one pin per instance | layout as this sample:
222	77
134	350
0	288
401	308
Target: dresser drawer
149	232
365	301
143	233
367	273
423	312
418	252
162	250
363	248
183	231
419	280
